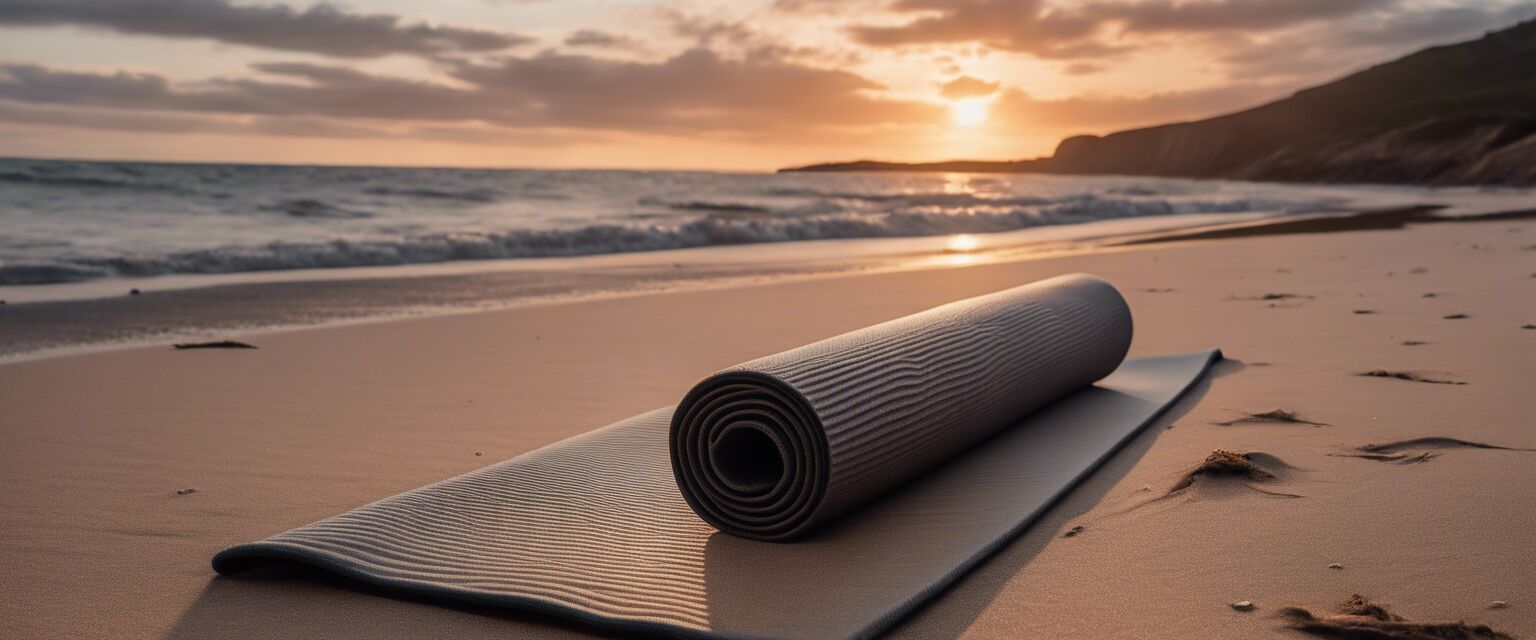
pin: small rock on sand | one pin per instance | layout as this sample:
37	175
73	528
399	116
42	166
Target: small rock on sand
134	292
1073	531
188	490
1335	566
1243	605
1498	604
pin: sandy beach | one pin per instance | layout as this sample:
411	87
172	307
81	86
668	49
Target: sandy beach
127	470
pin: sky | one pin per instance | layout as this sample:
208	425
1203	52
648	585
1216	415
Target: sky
695	84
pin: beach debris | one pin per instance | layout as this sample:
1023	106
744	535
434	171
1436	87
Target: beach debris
186	491
1430	295
134	292
1524	326
1157	290
1432	442
222	344
1416	450
1457	316
1243	605
1226	465
1335	565
1364	312
1413	343
1417	270
1073	531
1276	415
1358	617
477	453
1498	604
1396	458
1406	375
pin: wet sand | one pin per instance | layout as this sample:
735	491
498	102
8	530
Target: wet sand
101	537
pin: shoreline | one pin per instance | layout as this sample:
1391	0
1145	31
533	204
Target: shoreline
177	308
267	302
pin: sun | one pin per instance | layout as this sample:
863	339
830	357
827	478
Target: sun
962	243
969	112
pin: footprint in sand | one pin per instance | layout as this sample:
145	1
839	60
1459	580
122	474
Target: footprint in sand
1416	450
1276	415
1358	617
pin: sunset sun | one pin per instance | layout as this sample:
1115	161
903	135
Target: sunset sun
970	112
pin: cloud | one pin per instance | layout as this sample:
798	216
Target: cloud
117	120
1103	113
1230	15
1095	30
599	40
323	28
1027	26
1326	51
697	92
967	87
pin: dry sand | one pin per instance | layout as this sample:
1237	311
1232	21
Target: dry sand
100	539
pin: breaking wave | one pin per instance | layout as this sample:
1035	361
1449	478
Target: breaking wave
921	215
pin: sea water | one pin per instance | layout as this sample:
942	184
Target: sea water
73	221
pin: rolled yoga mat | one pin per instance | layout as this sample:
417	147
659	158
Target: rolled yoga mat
769	449
596	529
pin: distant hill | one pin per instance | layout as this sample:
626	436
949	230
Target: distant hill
1456	114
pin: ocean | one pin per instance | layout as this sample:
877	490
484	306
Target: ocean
72	221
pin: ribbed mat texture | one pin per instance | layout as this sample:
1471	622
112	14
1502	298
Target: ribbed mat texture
770	448
596	528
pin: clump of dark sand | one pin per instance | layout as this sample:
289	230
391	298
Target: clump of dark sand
1405	375
1394	458
1277	415
1415	450
1357	618
222	344
1432	442
1232	467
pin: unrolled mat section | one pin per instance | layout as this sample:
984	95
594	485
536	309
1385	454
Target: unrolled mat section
593	528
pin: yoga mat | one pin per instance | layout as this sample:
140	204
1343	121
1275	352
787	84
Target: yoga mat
595	528
771	448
